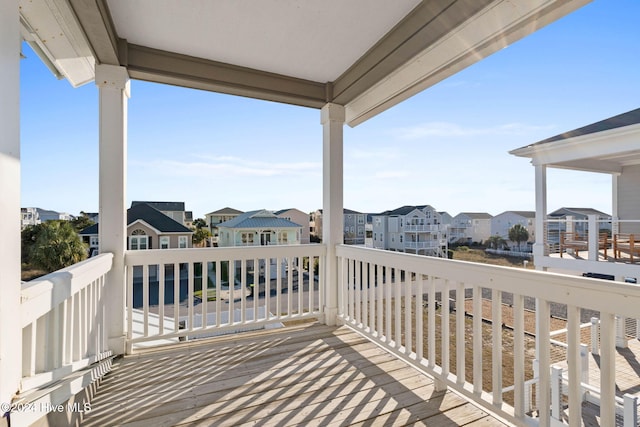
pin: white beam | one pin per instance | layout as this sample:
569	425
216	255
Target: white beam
332	119
10	327
501	23
113	84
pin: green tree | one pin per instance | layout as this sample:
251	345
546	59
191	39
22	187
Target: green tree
29	235
57	245
200	235
81	222
518	233
199	223
496	242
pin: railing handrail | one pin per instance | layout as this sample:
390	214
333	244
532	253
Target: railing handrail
564	289
220	253
41	295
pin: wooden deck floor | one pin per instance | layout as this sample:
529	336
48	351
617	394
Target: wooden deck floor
306	375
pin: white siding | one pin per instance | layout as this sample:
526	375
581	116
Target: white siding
629	198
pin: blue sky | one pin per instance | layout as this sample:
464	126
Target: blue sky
447	146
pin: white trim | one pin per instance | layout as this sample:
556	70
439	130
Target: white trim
494	28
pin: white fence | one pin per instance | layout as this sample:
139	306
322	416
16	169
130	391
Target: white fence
63	322
197	286
397	300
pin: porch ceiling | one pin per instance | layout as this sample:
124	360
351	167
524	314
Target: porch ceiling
365	54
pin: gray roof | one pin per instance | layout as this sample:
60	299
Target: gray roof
625	119
258	219
525	214
477	215
578	211
403	210
151	216
90	230
161	206
226	211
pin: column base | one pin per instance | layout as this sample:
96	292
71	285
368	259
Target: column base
118	344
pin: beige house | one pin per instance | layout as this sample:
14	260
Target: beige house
147	228
299	217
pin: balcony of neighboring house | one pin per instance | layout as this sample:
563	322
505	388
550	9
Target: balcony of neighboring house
591	243
289	334
428	228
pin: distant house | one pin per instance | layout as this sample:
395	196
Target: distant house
298	217
258	228
353	225
47	215
412	229
147	228
217	217
174	210
577	221
502	223
470	227
29	216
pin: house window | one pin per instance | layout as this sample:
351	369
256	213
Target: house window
401	238
284	237
247	238
182	242
93	241
138	240
164	242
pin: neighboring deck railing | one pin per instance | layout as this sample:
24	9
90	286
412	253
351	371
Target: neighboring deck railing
191	293
63	322
397	301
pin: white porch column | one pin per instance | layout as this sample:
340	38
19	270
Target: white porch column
10	331
541	211
332	119
615	225
541	237
113	84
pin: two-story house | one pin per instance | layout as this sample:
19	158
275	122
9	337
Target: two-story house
147	228
174	210
296	216
353	224
502	223
354	227
470	227
411	229
217	217
29	216
258	228
574	220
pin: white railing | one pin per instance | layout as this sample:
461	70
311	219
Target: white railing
63	322
396	300
190	293
626	406
423	228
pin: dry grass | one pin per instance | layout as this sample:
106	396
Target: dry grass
479	255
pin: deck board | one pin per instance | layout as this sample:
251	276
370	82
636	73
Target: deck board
306	375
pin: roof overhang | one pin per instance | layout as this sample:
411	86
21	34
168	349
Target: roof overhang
367	55
606	152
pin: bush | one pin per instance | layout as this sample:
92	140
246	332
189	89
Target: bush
463	248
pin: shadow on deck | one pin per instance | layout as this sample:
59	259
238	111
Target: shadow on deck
304	375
